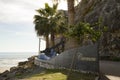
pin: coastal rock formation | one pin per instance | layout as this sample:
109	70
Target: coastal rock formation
22	69
108	11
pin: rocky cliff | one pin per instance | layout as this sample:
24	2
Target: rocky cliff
109	11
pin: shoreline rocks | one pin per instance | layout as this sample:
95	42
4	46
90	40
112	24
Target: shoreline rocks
23	68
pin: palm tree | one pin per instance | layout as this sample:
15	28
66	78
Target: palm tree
71	18
52	11
57	26
71	11
41	27
48	22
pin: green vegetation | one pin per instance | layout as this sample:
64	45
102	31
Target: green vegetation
51	22
59	75
85	31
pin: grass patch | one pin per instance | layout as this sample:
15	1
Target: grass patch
49	76
59	75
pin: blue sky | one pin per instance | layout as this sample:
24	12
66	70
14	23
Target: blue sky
16	25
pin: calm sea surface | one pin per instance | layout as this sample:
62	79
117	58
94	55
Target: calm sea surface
9	59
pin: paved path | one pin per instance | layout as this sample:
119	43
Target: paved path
110	69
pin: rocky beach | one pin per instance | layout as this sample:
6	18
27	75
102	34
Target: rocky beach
23	68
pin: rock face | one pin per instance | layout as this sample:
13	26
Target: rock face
109	12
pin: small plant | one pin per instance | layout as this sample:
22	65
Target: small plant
85	31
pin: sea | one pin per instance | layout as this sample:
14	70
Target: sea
11	59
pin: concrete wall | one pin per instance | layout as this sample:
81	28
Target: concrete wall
86	59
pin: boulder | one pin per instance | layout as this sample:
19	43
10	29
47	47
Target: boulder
31	58
4	74
12	69
22	63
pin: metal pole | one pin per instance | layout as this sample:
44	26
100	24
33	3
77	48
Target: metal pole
39	45
99	43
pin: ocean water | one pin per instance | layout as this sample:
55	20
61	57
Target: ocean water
10	59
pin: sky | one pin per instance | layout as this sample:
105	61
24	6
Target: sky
17	32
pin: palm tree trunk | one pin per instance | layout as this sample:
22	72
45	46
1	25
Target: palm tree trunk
52	39
47	41
71	18
71	12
